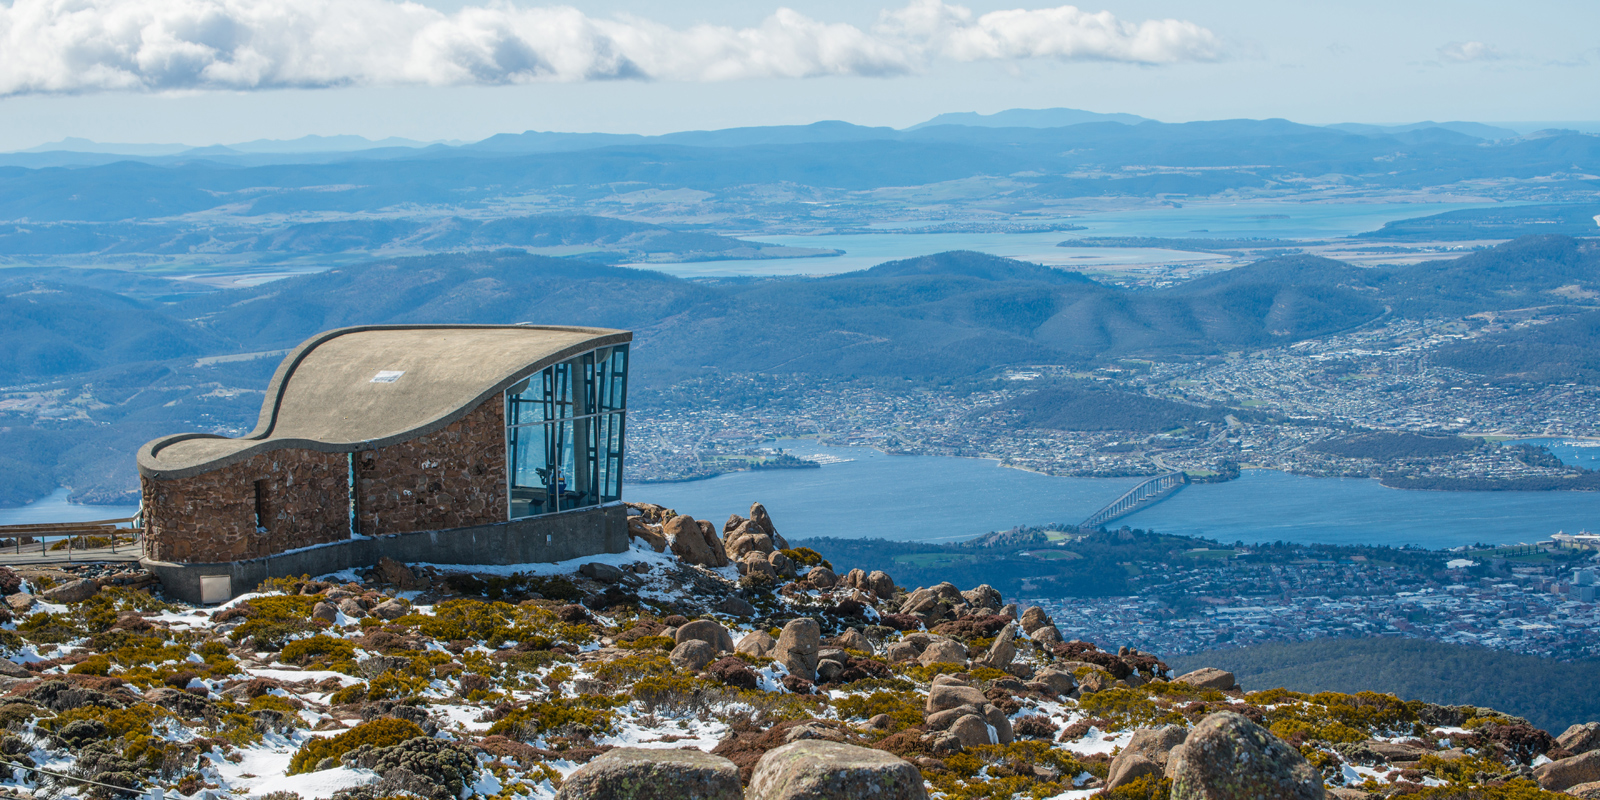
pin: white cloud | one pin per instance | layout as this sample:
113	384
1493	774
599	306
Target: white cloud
1462	52
65	46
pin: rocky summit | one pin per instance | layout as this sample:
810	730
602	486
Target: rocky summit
704	662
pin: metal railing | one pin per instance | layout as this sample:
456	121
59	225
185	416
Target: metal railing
73	538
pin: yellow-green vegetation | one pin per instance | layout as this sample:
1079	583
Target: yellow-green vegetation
378	733
926	674
1127	708
1005	770
1335	717
803	556
560	715
320	652
93	665
903	707
634	666
45	628
1147	787
495	623
649	643
1516	789
272	621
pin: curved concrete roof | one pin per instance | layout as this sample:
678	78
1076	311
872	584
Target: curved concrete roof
324	396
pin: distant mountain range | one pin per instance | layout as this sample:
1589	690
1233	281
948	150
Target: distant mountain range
1029	118
1093	159
1475	129
555	142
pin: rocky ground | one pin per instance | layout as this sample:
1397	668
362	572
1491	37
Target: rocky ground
704	662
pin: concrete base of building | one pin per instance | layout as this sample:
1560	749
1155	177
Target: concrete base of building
554	537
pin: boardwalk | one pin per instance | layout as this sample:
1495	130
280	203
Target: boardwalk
1138	498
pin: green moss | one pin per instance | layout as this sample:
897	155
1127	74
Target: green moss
378	733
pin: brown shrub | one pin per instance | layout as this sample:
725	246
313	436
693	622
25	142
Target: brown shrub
972	626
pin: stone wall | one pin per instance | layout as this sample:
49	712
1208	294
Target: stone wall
304	500
452	478
552	537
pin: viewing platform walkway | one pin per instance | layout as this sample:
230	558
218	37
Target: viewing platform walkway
70	543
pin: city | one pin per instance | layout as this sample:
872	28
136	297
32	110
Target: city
1297	398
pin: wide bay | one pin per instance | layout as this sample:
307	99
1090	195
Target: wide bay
936	498
1215	220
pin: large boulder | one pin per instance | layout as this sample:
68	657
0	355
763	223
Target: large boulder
744	540
1146	754
798	645
817	769
1060	682
72	591
943	651
821	578
756	643
1047	636
1034	618
926	601
1569	772
879	583
985	598
951	695
1587	791
629	773
853	639
650	535
604	573
761	521
1227	757
972	730
396	574
1208	678
1003	651
695	543
692	655
706	631
1126	769
1580	738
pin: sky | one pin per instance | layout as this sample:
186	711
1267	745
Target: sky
203	72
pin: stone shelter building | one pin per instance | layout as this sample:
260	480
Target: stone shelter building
449	444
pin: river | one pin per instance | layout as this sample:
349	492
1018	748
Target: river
939	499
1210	220
55	508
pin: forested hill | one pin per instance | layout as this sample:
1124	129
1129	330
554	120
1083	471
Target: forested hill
1551	694
131	347
939	317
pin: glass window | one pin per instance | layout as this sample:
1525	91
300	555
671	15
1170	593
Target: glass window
564	434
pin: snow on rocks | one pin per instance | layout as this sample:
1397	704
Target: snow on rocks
509	681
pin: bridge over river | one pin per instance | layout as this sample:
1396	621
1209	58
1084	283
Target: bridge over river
1138	498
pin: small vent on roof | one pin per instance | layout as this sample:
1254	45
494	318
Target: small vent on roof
388	375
